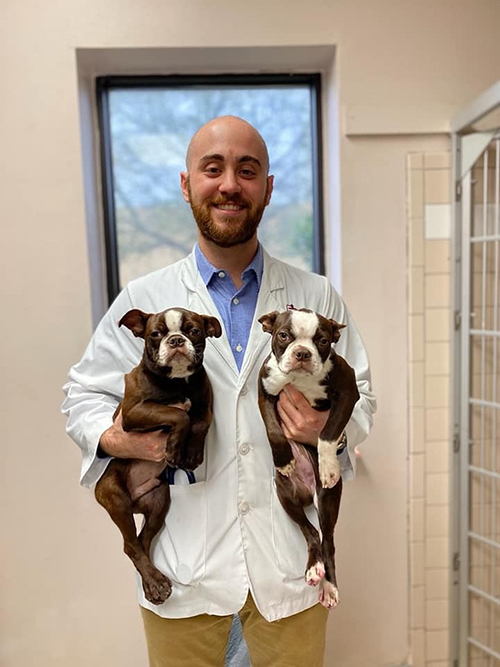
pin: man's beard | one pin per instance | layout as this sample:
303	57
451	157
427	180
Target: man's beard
232	232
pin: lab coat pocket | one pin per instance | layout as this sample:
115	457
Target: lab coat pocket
290	545
179	549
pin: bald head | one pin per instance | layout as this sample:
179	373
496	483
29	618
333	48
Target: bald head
228	130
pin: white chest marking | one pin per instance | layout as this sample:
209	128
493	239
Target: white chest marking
307	384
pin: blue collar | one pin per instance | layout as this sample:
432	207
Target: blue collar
207	271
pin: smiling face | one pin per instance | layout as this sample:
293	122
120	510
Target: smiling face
227	184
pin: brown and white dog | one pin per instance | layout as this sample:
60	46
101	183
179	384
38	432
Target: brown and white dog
170	391
302	354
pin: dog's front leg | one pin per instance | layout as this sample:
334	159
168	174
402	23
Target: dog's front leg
328	511
344	395
280	447
195	441
328	463
151	416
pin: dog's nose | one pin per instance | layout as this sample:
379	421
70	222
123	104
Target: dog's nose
176	341
301	354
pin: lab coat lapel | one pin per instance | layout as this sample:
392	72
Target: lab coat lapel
271	297
201	302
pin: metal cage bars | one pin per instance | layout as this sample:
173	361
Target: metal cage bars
480	241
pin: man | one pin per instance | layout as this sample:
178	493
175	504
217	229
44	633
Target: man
227	544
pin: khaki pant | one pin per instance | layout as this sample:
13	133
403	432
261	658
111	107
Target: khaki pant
296	641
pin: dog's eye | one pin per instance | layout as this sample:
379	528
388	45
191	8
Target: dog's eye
195	332
283	336
156	334
324	341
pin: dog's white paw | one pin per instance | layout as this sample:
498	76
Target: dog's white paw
288	469
329	473
328	463
315	574
328	595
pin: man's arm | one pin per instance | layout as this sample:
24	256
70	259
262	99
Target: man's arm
131	445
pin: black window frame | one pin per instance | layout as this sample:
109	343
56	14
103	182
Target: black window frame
105	84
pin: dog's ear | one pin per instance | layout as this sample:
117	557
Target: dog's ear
268	321
136	321
212	326
336	327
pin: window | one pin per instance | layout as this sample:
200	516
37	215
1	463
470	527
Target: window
146	124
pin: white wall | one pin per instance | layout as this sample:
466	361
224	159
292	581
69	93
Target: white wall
68	593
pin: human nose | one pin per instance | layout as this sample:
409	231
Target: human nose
229	183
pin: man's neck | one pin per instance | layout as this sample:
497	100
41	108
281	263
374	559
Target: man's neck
233	260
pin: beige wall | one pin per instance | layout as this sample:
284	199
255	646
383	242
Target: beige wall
67	593
430	333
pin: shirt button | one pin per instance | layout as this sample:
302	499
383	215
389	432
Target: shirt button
244	508
239	348
236	301
244	449
222	274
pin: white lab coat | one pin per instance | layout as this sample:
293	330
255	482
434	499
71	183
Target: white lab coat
227	533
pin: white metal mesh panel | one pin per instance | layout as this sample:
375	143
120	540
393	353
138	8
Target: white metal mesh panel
482	239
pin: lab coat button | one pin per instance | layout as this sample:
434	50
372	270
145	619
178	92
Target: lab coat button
244	390
244	508
244	449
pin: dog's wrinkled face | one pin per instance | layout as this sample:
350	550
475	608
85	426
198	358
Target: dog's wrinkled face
302	340
174	338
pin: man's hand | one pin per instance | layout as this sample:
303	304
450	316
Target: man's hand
300	422
132	445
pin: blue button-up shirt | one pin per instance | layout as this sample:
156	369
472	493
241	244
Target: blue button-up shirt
236	306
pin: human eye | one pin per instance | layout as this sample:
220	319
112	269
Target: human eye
212	170
248	172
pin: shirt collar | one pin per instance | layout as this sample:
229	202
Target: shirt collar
206	269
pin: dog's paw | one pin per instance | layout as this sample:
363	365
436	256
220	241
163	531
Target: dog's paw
329	466
172	456
184	405
328	595
315	574
329	476
287	469
157	587
192	460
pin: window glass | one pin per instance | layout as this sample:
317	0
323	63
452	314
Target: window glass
150	129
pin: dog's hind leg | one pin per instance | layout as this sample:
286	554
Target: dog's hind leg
154	506
115	499
293	505
328	510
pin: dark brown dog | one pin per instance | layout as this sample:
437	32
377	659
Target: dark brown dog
170	391
302	355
